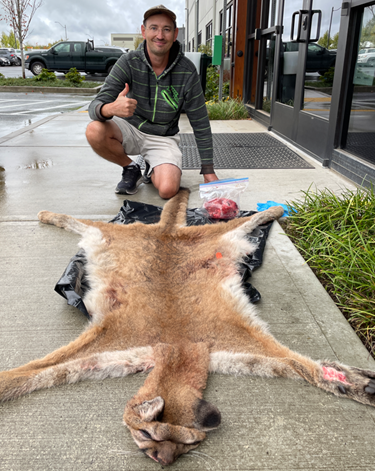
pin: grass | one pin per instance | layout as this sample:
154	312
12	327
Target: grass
228	109
48	83
336	236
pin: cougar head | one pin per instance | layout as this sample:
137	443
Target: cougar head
168	417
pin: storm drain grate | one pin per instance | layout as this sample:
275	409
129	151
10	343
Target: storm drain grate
242	150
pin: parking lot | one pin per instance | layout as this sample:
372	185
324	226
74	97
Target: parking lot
14	72
18	110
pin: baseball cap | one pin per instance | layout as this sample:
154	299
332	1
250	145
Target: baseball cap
160	9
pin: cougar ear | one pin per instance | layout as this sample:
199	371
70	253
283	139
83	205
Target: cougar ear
150	410
207	416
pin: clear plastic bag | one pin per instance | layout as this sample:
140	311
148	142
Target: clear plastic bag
221	199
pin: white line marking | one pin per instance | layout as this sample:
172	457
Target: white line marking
36	114
28	103
50	108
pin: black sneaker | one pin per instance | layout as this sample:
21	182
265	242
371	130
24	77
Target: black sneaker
131	179
146	179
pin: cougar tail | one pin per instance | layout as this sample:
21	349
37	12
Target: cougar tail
173	215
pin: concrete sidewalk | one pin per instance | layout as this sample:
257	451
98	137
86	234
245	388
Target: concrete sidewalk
267	424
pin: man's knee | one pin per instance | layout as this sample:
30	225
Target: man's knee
95	132
168	189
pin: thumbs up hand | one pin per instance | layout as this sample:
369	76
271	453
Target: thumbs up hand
122	107
125	91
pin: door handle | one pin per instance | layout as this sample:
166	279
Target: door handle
299	13
319	13
303	22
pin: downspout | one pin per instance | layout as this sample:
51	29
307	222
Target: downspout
213	20
196	24
187	27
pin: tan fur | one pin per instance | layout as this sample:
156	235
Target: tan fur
161	298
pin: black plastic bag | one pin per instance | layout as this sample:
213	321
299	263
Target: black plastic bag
73	284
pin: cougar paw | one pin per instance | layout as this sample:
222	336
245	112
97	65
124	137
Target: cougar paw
331	374
369	378
45	216
55	219
355	383
11	386
370	388
276	212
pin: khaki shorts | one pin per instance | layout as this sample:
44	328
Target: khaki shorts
155	150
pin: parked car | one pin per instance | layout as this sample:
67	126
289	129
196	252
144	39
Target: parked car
11	55
319	59
367	58
366	50
4	61
79	54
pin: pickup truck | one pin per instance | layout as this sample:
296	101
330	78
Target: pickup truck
319	59
79	54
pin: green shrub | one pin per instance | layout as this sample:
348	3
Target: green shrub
212	84
45	76
228	109
2	76
205	49
336	236
266	105
327	78
74	77
20	82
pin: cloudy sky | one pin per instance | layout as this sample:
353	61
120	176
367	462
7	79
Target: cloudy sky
97	19
93	19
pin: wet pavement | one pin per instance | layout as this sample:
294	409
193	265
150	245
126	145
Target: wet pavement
18	110
267	424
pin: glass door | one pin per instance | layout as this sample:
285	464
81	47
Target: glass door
305	71
360	139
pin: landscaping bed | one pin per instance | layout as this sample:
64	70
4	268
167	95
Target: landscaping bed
47	81
31	82
336	237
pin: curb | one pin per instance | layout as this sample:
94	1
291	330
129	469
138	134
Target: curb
72	90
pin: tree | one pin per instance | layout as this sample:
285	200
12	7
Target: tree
368	32
9	40
137	40
334	41
329	42
18	14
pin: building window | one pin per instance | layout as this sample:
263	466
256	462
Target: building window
192	44
209	34
199	38
189	46
228	29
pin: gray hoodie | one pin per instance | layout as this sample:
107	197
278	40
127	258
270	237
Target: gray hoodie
160	99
